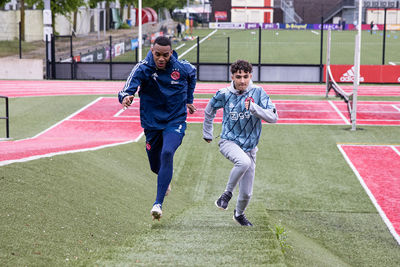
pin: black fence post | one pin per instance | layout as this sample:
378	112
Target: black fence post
136	53
72	58
110	57
384	38
7	120
20	41
198	57
47	58
321	49
259	53
228	59
53	56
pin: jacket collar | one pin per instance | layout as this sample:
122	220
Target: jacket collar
232	89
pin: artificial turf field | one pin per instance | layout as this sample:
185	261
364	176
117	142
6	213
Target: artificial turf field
284	47
92	208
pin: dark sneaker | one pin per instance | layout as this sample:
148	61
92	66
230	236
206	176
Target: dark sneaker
223	200
241	219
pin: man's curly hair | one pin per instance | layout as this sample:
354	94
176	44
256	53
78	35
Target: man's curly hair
242	65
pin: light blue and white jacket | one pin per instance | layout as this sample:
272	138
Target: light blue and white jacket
240	125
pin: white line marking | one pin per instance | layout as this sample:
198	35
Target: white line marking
182	45
395	107
371	196
67	118
119	112
340	113
392	63
6	162
395	150
190	49
86	120
314	32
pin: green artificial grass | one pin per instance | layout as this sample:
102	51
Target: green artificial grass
10	48
284	47
93	208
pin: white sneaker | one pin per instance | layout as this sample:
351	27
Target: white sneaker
168	190
156	212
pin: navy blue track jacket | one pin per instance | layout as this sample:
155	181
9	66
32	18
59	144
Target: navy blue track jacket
163	93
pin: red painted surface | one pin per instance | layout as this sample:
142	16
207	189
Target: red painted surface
44	88
93	127
379	168
102	123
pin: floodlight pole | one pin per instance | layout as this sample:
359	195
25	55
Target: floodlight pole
140	31
357	57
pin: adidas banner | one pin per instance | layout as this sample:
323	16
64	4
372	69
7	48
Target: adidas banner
368	73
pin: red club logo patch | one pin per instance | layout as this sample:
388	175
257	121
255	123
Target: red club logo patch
175	75
250	99
148	146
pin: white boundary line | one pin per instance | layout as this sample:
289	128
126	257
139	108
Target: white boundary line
395	150
202	40
314	32
371	196
182	45
67	118
395	107
6	162
338	111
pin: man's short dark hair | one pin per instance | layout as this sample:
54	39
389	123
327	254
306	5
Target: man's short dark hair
242	65
163	41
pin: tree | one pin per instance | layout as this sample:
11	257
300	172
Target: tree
59	7
93	4
3	3
22	19
124	3
170	5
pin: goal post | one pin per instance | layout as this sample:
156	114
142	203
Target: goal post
330	81
357	57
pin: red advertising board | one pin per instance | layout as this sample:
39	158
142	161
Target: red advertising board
221	15
368	73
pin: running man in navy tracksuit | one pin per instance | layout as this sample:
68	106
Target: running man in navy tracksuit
166	91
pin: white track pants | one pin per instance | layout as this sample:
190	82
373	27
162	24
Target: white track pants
242	172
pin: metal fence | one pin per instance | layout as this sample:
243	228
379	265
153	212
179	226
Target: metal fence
6	117
213	60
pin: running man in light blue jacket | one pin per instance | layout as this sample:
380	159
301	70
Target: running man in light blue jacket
244	105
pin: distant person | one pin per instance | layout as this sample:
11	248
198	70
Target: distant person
372	25
343	25
166	92
244	105
179	30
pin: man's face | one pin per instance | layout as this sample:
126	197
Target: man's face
241	80
161	55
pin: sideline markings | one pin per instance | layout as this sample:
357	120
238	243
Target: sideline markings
191	48
182	45
379	184
340	113
95	124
